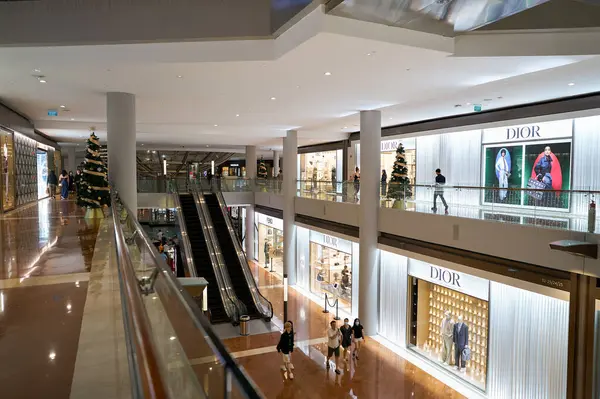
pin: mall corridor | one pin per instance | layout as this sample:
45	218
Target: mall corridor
47	250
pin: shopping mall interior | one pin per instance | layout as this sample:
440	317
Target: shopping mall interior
300	199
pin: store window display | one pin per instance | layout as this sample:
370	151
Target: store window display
270	237
8	170
321	171
388	156
449	326
331	268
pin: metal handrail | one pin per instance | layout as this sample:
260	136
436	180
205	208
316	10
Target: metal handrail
189	255
458	187
142	353
262	304
233	306
231	369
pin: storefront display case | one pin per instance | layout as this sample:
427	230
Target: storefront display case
7	177
321	171
270	240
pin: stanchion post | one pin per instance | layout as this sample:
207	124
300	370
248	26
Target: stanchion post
271	265
325	309
285	298
336	310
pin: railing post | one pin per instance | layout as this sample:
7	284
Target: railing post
325	310
337	317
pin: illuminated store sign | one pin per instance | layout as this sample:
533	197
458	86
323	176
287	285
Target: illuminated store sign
270	221
465	283
532	131
331	242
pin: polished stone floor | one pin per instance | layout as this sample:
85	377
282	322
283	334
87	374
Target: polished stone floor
380	373
46	249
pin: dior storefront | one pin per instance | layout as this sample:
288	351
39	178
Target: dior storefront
503	337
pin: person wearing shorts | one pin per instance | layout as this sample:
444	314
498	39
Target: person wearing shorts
286	347
334	338
346	331
359	336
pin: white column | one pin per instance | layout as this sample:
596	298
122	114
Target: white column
121	131
275	163
250	174
370	139
290	166
71	165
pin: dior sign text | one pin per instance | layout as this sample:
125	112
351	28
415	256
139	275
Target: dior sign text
455	280
524	132
448	277
539	131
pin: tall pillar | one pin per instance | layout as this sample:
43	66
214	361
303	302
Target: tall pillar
582	312
370	139
275	163
121	131
250	174
290	166
71	165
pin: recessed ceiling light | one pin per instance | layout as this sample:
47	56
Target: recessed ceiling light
297	87
179	76
142	144
468	103
207	146
216	125
345	127
571	84
37	70
369	54
153	151
237	115
148	151
273	98
63	106
327	73
391	118
72	119
42	80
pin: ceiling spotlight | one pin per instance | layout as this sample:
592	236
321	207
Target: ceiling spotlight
42	80
216	125
237	115
72	119
571	84
142	144
63	106
179	76
369	54
153	151
345	127
273	98
37	70
148	151
327	73
207	146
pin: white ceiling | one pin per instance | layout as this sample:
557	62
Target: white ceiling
407	83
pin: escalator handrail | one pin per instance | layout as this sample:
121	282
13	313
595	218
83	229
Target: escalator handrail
187	247
263	305
176	290
232	304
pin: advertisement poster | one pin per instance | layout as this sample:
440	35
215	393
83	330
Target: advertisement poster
503	169
547	166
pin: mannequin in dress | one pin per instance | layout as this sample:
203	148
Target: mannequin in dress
461	341
447	335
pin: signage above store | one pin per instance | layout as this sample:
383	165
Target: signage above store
389	145
331	242
461	282
529	132
270	221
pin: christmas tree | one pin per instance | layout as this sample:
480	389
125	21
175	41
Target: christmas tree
262	169
94	192
400	188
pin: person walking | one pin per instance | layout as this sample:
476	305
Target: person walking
359	337
286	347
71	182
52	183
356	179
334	338
63	179
440	182
78	177
346	331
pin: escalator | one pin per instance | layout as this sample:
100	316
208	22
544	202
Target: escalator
234	266
201	258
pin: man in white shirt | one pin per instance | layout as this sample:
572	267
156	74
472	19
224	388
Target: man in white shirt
503	172
334	338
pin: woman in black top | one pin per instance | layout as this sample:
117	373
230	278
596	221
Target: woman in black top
286	347
359	337
346	331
